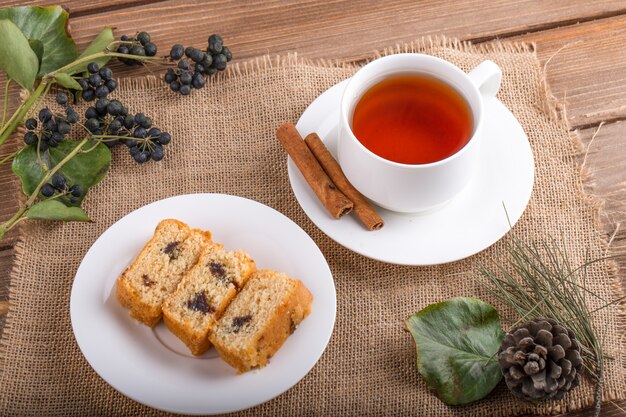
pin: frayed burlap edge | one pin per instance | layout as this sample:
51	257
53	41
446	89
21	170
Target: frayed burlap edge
550	105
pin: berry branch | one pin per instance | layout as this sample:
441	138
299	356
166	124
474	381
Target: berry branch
57	171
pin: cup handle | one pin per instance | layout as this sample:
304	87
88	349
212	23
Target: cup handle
486	77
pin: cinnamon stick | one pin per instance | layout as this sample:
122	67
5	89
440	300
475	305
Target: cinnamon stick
334	200
362	207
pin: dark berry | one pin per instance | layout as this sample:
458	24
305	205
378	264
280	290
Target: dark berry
185	89
102	91
199	68
210	71
164	138
207	61
93	67
124	111
89	95
188	51
175	86
196	55
140	157
47	190
92	124
177	51
132	144
95	80
198	80
123	49
30	124
91	112
137	50
83	84
150	48
101	107
139	118
45	115
129	121
115	126
61	98
106	73
140	133
146	123
30	138
64	128
76	190
111	84
114	108
73	200
58	181
157	153
51	125
125	38
219	62
72	117
226	52
185	78
215	44
170	76
183	65
143	37
55	139
154	133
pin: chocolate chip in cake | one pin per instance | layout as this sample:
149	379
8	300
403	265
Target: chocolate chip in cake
147	281
239	322
200	303
170	249
217	269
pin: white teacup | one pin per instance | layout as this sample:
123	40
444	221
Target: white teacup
421	187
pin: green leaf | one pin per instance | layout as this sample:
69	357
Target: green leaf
55	210
16	57
49	26
457	341
37	47
99	44
66	80
84	169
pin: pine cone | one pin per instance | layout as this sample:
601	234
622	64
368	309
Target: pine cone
540	359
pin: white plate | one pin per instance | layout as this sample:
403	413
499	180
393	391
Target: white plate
151	365
471	222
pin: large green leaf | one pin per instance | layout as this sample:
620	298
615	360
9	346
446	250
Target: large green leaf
16	57
55	210
457	341
84	169
48	25
99	44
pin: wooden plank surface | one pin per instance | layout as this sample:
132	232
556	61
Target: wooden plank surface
586	68
588	73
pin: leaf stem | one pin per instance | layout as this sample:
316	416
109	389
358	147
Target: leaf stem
21	111
6	101
68	68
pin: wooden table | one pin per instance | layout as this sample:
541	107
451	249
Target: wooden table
581	43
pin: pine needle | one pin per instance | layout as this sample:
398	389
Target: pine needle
544	284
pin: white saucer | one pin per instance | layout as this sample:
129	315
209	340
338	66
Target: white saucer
471	222
155	368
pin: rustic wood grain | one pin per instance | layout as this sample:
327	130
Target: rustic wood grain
588	73
604	158
81	7
586	68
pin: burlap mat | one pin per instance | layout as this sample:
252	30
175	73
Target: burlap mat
224	142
